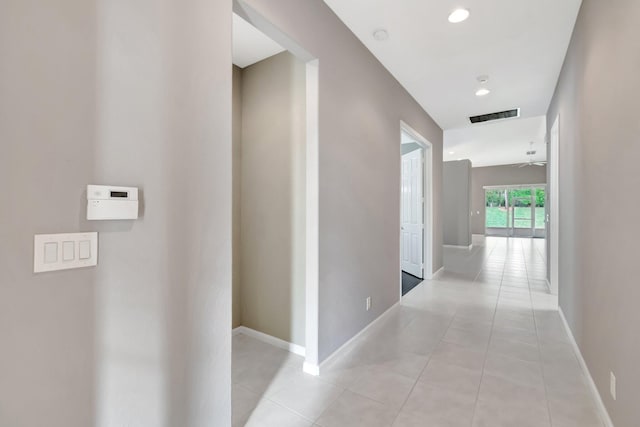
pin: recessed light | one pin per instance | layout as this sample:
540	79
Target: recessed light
458	15
482	91
452	152
380	35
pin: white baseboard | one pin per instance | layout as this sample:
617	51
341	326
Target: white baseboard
311	369
276	342
316	369
549	287
459	247
437	273
602	409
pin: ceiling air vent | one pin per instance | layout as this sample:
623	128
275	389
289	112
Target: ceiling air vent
495	116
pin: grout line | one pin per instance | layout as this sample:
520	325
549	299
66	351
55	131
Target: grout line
297	413
327	408
387	404
421	372
504	250
486	353
263	397
441	340
453	316
535	325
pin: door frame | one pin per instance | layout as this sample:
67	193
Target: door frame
417	154
518	231
553	195
427	210
311	363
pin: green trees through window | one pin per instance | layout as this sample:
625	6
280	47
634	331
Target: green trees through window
518	211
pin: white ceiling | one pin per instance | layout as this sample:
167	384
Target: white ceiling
250	45
519	44
498	143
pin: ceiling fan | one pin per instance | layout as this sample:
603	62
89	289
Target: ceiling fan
531	153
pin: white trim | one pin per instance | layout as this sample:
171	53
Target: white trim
602	409
255	18
421	202
427	193
311	369
276	342
553	211
437	274
312	300
514	187
458	247
315	369
312	263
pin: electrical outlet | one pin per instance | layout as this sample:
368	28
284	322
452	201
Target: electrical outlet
368	303
612	385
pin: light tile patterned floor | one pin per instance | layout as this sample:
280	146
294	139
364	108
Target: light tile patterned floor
482	346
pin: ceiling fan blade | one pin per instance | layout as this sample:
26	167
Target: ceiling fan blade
523	165
540	163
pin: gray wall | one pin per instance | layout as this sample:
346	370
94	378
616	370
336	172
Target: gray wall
129	93
272	198
457	202
597	100
361	106
498	175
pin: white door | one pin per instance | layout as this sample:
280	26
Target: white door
554	212
412	222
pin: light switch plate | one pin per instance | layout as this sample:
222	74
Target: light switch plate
64	251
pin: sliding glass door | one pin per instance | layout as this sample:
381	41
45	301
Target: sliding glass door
520	205
515	211
497	214
540	213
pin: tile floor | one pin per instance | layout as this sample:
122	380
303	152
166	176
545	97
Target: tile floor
481	346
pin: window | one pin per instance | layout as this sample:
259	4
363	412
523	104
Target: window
496	209
515	211
541	196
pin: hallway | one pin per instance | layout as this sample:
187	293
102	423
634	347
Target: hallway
480	346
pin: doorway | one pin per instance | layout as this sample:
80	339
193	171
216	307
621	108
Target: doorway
515	211
277	167
412	219
415	209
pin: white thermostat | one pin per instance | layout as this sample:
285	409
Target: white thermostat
106	202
